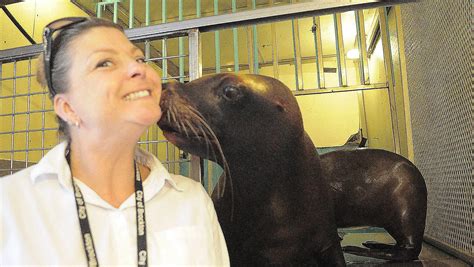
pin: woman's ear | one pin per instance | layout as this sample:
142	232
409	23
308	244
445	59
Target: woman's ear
64	109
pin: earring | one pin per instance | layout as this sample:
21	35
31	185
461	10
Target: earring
75	123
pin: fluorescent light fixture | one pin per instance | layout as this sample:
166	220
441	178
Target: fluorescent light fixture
353	54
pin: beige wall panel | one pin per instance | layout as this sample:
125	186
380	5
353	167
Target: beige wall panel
330	119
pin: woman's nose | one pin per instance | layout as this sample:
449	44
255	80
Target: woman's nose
136	69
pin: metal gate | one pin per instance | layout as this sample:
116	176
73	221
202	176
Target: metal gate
28	122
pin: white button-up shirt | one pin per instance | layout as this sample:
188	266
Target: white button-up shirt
39	223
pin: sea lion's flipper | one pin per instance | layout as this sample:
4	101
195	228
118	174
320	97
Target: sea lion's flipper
377	245
392	254
332	256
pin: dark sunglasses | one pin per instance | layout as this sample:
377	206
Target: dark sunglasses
48	32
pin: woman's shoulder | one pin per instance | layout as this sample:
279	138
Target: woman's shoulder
191	189
186	184
18	179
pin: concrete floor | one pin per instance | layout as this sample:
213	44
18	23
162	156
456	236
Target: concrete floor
430	256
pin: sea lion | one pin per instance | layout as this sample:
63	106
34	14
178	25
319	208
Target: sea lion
276	208
372	187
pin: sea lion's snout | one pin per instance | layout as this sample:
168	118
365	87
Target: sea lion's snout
171	84
183	124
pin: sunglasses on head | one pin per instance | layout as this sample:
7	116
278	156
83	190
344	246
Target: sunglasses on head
48	32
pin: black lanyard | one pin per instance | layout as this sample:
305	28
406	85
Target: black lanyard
86	230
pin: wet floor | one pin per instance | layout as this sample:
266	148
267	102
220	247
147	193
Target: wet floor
430	256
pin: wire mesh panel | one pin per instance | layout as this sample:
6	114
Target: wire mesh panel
170	58
439	66
28	126
27	121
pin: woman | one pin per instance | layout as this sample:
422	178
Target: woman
135	212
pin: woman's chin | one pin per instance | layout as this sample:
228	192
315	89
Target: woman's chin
147	118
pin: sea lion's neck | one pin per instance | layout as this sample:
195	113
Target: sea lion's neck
257	177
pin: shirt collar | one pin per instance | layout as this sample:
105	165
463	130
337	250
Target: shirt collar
55	163
148	159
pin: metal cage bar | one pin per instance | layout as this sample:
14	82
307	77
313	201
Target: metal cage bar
255	40
131	13
181	43
340	54
195	71
198	8
12	153
275	56
362	46
147	11
318	46
235	37
27	135
297	55
388	62
217	47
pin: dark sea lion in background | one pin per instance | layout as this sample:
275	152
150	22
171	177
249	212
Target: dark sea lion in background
276	207
378	188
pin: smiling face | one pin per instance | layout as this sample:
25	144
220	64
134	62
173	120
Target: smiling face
111	87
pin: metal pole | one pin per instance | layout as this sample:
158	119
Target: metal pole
297	54
404	85
147	12
362	46
164	48
181	44
255	43
163	11
319	52
198	8
43	118
275	56
115	12
217	40
99	10
195	71
12	147
236	40
28	109
147	22
388	62
131	14
340	55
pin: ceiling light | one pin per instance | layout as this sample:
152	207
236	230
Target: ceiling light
353	54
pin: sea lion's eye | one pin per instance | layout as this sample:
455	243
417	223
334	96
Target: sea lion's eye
231	93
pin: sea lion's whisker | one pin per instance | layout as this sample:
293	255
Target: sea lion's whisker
199	115
226	167
181	123
208	143
191	127
168	115
202	122
207	132
173	116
